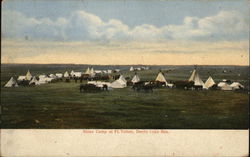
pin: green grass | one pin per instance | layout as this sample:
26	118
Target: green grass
61	105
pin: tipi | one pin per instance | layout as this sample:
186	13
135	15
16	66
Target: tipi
160	77
196	79
131	69
72	73
119	83
209	83
92	72
135	79
52	76
87	71
28	76
33	81
21	78
66	74
11	83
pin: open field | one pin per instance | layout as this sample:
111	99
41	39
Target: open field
61	105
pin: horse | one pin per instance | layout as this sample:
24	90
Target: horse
105	87
140	86
147	88
184	84
89	88
23	83
198	87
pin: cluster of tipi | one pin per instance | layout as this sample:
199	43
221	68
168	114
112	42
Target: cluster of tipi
30	79
139	68
121	82
224	85
42	79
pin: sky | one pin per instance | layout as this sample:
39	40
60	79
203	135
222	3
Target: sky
153	32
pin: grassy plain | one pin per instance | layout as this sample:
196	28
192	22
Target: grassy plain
61	105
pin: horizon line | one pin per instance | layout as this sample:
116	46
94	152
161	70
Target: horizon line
127	64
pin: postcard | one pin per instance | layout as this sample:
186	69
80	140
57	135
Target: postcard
124	78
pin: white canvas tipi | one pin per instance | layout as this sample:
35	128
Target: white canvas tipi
92	72
135	79
87	71
11	83
209	83
66	74
196	79
28	76
119	83
72	73
160	77
33	81
131	69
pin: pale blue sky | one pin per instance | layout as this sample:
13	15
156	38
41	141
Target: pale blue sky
130	12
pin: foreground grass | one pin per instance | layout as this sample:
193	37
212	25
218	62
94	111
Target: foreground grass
61	105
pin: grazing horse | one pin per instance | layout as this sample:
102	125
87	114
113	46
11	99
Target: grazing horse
89	88
85	76
75	78
67	80
140	86
184	84
198	87
105	87
23	83
147	88
92	88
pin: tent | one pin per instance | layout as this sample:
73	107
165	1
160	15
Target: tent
41	81
77	74
236	85
66	74
21	78
92	72
28	76
11	83
52	76
33	81
109	71
59	75
224	86
105	71
135	79
196	79
119	83
99	83
160	77
87	71
122	79
42	76
139	69
72	73
209	83
48	79
131	69
98	71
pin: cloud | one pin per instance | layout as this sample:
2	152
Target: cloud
82	26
